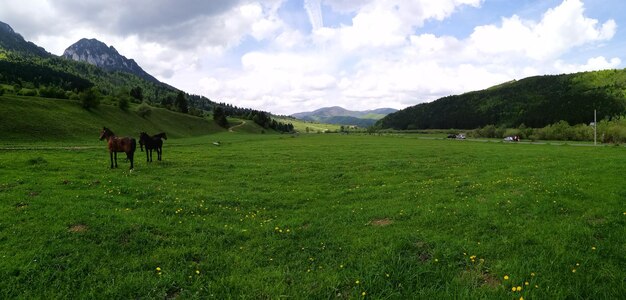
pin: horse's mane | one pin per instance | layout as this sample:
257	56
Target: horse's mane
160	135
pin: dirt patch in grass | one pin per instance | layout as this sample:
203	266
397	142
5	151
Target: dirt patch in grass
478	278
78	228
172	293
381	222
423	251
596	221
489	280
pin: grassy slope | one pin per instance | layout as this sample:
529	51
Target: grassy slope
39	119
269	215
301	126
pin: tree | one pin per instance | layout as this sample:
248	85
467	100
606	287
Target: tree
181	103
220	117
123	104
137	93
90	98
167	101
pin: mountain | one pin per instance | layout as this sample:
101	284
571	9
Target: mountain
342	116
99	54
535	102
30	69
90	68
12	41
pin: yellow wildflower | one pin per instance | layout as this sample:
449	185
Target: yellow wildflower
519	288
357	282
526	283
506	277
198	272
363	294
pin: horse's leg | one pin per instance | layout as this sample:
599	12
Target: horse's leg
147	155
111	154
115	155
159	152
131	156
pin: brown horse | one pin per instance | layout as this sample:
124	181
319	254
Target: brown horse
119	144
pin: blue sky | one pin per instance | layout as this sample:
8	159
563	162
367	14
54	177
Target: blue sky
288	56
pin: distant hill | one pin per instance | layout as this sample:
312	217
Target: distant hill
341	116
99	54
535	102
12	41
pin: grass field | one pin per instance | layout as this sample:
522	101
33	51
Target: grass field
315	216
301	126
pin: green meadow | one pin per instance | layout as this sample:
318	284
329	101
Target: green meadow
314	216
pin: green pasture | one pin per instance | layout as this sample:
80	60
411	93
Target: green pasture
315	216
24	120
301	126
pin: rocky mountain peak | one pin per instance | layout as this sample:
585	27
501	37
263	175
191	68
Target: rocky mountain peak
95	52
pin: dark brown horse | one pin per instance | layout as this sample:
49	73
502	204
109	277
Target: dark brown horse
152	143
119	144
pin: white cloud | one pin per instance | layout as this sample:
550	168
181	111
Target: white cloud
561	29
593	64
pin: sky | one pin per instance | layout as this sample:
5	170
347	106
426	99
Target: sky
289	56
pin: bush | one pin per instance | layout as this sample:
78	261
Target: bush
1	91
27	92
123	104
90	98
144	110
52	92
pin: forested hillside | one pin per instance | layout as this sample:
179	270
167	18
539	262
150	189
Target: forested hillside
28	70
534	101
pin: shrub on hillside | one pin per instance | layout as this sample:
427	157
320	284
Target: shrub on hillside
144	110
1	91
123	104
52	92
90	98
27	92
